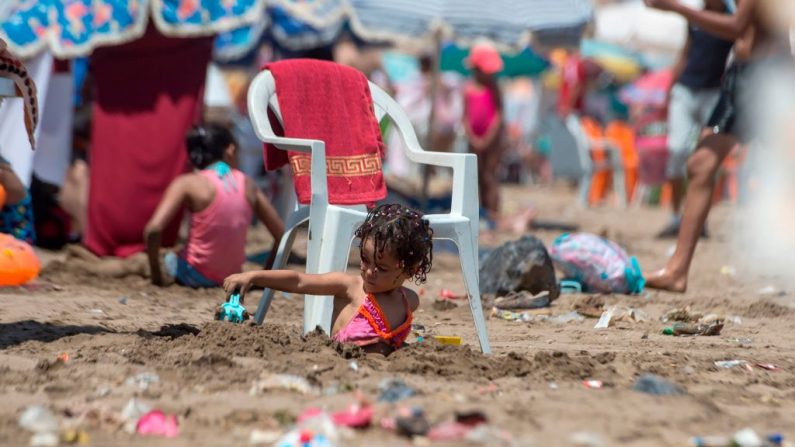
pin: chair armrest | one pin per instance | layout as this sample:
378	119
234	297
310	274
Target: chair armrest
442	159
465	179
289	144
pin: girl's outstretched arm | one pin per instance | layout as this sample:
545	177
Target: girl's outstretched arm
335	283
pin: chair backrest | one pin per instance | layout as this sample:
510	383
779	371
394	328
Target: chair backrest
463	203
382	103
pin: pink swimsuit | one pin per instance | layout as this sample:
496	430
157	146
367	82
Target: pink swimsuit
370	326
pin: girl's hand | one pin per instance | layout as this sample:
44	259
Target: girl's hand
240	283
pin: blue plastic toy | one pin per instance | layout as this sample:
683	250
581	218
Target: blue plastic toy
232	311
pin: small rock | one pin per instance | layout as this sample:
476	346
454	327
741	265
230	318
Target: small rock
519	265
122	300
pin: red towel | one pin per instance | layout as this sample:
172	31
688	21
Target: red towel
330	102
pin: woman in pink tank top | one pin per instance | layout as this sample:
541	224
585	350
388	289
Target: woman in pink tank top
483	122
221	202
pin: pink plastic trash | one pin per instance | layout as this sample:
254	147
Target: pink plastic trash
157	423
449	431
356	416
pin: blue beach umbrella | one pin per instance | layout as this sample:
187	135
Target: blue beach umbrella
73	28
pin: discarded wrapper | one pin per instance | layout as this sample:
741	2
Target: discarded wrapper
594	384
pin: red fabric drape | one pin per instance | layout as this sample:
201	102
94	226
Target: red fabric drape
148	94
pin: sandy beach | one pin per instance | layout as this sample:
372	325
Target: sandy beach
113	330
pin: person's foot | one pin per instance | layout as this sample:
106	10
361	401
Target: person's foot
664	280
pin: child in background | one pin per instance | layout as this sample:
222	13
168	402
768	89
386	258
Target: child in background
221	201
483	122
372	310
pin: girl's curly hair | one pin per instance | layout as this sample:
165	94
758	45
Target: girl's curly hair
405	233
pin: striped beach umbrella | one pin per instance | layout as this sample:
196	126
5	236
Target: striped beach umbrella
504	22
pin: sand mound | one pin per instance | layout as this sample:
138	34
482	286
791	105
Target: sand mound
767	309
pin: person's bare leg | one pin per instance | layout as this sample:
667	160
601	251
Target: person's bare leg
678	190
702	168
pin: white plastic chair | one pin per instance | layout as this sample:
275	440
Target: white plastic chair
332	227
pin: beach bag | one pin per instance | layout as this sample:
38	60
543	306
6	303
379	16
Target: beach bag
599	265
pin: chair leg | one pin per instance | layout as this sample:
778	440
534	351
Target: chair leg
585	189
619	187
332	256
468	255
641	191
279	261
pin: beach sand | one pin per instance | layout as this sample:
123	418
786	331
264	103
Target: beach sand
531	386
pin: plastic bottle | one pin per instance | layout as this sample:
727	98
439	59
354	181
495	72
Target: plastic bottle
694	329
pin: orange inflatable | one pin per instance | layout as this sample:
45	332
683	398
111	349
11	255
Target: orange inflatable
2	196
18	262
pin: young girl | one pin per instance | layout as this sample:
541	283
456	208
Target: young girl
372	310
483	121
221	201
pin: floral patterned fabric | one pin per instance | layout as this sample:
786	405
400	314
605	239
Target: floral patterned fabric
72	28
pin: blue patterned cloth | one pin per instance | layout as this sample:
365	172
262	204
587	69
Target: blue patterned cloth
74	28
17	220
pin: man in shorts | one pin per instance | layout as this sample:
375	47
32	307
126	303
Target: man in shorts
691	100
728	124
